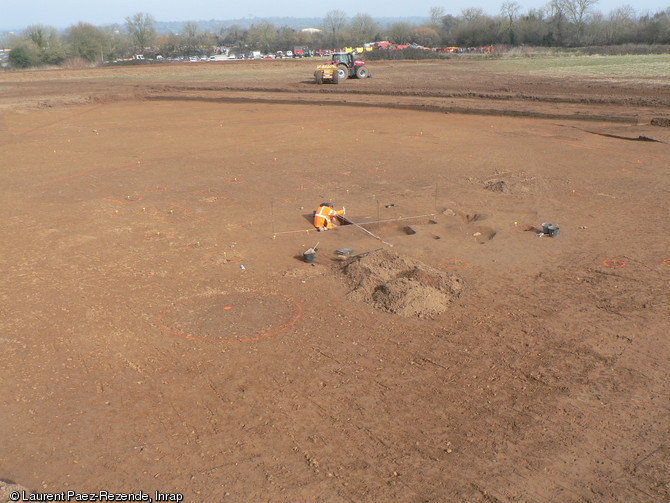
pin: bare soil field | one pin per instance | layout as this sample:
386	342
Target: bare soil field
160	329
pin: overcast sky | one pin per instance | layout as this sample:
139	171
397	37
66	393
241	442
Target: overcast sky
18	14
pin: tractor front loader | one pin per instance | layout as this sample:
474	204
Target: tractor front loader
327	73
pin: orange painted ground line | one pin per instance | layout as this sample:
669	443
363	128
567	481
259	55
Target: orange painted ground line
156	189
282	328
614	263
455	263
155	235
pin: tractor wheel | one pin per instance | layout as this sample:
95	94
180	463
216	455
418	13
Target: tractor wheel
343	71
361	72
318	76
336	77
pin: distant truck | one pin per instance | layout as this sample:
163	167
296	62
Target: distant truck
218	57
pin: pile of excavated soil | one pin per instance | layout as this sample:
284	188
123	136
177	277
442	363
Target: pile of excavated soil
400	285
497	186
7	488
660	121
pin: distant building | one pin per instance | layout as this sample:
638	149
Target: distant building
311	31
4	57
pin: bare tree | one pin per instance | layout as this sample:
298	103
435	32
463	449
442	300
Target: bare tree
234	35
426	36
449	25
577	11
190	30
472	14
556	22
363	29
286	38
475	29
191	40
436	15
334	25
47	40
510	10
621	23
400	32
262	36
335	21
533	29
86	41
38	34
141	29
117	43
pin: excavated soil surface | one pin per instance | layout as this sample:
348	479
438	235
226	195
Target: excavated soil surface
400	285
161	330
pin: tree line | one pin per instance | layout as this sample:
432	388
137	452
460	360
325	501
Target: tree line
560	23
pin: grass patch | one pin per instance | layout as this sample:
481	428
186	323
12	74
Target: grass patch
656	66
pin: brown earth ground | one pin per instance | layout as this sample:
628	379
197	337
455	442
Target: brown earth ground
160	330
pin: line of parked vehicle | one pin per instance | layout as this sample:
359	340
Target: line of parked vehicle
217	57
252	55
229	56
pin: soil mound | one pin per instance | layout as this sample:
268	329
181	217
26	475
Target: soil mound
400	285
497	186
7	488
660	121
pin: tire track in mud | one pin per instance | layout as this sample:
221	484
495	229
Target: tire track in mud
505	96
467	103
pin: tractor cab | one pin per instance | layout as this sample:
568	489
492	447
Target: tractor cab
343	58
348	66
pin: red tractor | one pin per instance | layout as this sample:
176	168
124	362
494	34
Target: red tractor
342	66
348	66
